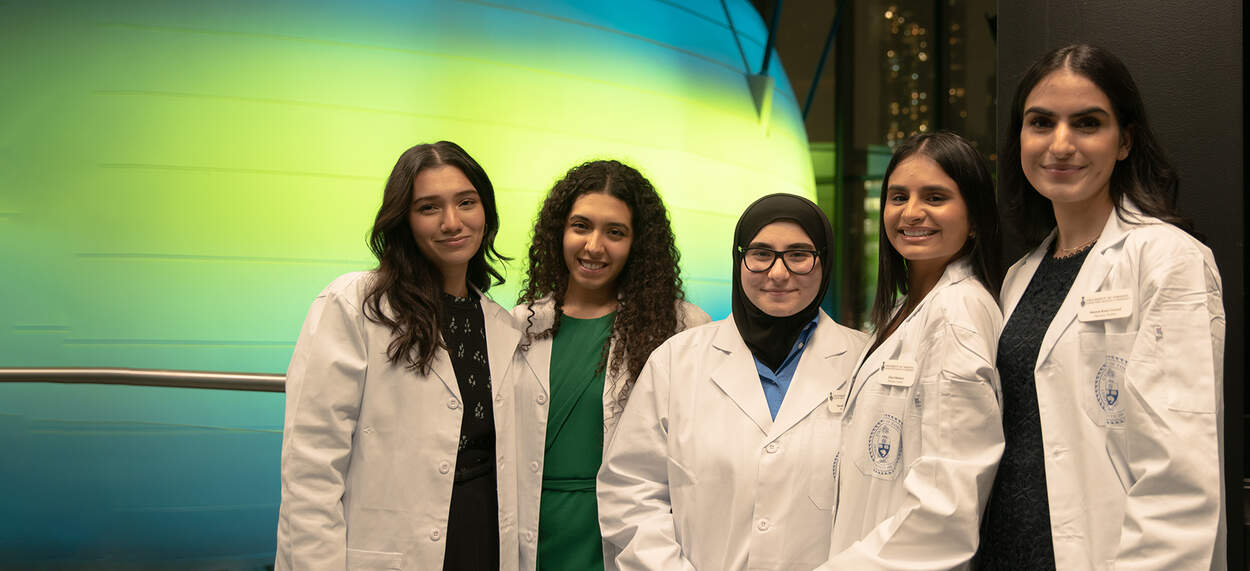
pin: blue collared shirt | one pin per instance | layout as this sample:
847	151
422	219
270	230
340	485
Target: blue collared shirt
777	382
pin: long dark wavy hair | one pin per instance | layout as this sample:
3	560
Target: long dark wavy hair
983	249
1146	176
408	283
649	286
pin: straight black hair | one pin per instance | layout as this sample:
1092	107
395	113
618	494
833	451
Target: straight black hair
983	248
1146	176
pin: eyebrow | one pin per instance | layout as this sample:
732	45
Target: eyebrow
794	246
432	197
927	187
608	224
1047	112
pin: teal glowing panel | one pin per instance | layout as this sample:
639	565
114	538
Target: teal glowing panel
179	179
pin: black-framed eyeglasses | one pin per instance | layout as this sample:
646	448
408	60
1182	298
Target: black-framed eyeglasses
759	260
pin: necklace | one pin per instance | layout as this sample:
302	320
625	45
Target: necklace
1062	253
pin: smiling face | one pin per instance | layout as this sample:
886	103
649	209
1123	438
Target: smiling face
597	237
1070	141
779	292
924	216
447	221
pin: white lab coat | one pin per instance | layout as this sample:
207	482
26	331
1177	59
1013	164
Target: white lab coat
533	394
699	476
369	447
1131	407
919	450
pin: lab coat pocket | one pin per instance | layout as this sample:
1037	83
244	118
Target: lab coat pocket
374	560
877	430
1184	342
1103	376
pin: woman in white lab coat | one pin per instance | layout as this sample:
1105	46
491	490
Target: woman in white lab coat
397	443
723	458
922	431
602	292
1111	355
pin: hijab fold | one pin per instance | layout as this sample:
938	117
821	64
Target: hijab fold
770	338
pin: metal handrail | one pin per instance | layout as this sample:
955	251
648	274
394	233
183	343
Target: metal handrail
147	378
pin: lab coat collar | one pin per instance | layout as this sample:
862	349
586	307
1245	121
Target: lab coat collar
955	272
811	384
809	388
1094	270
736	375
502	336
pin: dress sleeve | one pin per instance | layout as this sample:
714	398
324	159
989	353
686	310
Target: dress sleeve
937	524
1174	483
635	510
324	385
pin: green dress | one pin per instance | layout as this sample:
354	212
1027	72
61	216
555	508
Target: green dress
568	517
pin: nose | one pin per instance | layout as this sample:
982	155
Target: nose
913	211
594	243
778	272
450	224
1061	142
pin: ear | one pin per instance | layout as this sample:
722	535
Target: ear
1126	143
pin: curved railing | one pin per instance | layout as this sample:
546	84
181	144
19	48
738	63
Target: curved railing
147	378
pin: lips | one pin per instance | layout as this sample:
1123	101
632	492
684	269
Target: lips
1061	169
454	242
591	266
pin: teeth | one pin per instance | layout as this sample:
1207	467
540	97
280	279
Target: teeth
592	265
919	233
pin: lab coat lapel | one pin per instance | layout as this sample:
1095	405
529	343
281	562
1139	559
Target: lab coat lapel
539	354
441	365
501	341
1095	269
737	377
811	385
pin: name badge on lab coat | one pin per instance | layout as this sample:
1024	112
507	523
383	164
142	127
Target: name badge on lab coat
899	373
837	401
1110	304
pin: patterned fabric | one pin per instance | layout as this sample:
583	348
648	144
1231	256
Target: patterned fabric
1016	532
473	518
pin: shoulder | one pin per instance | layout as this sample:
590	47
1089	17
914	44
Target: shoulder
834	330
1158	243
968	304
544	311
690	315
349	289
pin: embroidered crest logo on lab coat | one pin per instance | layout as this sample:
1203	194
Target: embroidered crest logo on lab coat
1108	382
885	445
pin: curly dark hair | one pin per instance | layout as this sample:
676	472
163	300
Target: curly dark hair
649	287
408	281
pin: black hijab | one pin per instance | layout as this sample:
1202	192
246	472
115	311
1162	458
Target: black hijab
771	338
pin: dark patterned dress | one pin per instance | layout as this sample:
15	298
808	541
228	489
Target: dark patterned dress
473	517
1016	532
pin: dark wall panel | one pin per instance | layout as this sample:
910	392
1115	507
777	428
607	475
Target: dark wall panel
1187	60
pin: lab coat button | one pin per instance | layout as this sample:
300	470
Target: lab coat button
529	536
533	466
772	447
762	525
435	535
452	404
542	399
444	467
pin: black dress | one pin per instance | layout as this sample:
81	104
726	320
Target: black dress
1016	531
473	517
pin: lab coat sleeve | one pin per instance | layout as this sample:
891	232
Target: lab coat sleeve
937	525
635	510
324	385
1173	508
